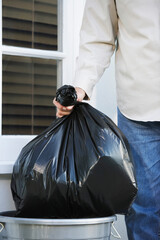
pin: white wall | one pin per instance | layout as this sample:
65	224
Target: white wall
6	201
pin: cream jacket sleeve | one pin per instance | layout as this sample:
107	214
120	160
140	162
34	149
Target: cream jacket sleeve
97	43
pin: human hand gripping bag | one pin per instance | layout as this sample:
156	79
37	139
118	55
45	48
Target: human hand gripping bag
79	167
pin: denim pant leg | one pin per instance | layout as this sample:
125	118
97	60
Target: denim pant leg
143	221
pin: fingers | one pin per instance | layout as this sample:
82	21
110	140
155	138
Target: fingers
66	110
62	110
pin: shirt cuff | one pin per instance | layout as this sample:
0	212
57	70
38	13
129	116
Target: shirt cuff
85	84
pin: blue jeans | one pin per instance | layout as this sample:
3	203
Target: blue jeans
143	220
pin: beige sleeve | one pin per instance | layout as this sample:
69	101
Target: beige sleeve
97	43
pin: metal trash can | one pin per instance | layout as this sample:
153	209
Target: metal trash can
54	229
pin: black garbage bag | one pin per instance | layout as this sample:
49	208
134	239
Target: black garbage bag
78	167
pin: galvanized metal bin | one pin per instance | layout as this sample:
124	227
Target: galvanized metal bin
55	229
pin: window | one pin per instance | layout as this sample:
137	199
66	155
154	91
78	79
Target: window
30	23
28	83
38	49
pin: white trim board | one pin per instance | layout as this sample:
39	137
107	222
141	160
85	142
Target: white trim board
27	52
6	167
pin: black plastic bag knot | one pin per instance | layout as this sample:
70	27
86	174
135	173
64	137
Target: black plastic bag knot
66	95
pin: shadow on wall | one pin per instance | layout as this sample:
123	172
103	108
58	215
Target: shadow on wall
104	94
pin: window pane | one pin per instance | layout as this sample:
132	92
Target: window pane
30	23
29	86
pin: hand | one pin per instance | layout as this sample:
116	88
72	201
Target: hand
63	110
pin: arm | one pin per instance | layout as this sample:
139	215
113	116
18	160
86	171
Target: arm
97	44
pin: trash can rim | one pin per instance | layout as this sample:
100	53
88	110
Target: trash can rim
76	221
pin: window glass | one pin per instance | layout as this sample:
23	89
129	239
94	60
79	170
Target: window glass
30	23
29	86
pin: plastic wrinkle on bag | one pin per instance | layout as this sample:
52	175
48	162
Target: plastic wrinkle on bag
80	166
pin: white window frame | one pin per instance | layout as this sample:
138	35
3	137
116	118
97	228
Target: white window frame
71	12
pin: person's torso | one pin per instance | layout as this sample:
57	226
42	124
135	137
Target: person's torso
138	59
